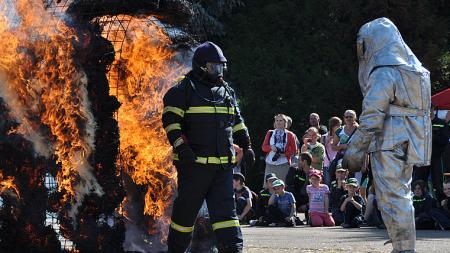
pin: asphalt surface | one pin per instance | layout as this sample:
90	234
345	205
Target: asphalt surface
334	239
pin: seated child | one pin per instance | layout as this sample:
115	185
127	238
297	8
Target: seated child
336	193
442	214
352	205
318	201
262	204
281	206
423	203
242	196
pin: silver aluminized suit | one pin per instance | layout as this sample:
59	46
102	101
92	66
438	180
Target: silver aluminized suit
395	125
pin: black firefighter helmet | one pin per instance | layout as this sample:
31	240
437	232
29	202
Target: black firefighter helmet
208	61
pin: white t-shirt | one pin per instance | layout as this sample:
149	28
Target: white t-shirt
279	140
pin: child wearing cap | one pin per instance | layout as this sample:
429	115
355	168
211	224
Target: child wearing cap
242	196
318	201
352	205
281	206
336	192
262	203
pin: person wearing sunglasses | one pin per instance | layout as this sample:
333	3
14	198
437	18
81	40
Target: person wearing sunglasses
341	138
343	134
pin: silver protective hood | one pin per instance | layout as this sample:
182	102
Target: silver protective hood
379	43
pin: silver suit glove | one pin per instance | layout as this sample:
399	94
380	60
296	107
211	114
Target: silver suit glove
356	151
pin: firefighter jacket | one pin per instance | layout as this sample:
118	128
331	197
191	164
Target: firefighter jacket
207	118
440	136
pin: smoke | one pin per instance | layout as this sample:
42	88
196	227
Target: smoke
21	115
136	240
10	20
46	93
87	183
203	238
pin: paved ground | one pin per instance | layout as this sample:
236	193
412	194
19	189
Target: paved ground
334	239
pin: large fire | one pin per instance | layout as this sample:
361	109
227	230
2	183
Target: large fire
46	93
145	70
7	185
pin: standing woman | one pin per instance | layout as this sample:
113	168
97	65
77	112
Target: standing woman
279	145
341	137
327	139
343	134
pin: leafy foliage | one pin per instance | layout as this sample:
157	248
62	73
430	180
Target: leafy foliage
207	13
298	56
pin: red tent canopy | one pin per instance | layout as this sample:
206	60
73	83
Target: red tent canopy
442	100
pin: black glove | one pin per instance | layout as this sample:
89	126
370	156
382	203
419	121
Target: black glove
249	158
185	154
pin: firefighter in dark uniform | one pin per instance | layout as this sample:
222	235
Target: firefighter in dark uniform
440	138
202	121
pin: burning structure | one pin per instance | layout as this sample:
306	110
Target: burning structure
84	162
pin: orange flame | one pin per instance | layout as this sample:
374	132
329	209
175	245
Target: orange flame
46	94
7	184
145	70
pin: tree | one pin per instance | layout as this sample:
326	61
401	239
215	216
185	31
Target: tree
298	57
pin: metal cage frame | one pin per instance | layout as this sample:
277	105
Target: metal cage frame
114	29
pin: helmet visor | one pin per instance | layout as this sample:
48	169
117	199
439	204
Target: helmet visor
215	70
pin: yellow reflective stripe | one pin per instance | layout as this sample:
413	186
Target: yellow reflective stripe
209	160
178	142
202	160
179	79
436	125
225	224
171	127
174	109
238	127
181	228
214	160
211	109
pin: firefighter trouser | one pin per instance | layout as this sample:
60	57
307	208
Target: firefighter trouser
392	179
215	184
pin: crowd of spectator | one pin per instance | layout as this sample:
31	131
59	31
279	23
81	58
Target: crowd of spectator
305	175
